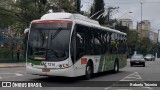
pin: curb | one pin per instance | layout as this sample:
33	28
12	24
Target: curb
4	65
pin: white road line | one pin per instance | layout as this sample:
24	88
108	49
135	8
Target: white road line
148	88
11	75
6	73
120	80
123	89
18	74
127	77
127	80
134	77
131	76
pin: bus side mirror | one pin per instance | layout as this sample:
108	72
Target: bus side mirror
26	30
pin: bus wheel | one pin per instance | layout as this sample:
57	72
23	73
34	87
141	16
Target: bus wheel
89	71
116	66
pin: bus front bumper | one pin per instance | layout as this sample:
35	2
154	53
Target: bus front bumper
66	72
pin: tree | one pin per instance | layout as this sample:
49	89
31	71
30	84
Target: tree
20	13
101	14
132	41
63	5
78	5
98	7
17	14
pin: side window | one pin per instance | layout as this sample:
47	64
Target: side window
90	42
124	44
97	43
120	45
112	45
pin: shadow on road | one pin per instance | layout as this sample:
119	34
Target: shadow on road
67	80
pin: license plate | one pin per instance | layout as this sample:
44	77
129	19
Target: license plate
137	62
45	70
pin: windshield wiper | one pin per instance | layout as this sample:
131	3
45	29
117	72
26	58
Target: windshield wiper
53	36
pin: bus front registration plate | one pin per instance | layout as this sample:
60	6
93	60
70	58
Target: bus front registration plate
45	70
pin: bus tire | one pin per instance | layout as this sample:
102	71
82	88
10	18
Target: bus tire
89	71
144	65
131	64
116	67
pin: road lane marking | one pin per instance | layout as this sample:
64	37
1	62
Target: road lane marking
127	80
6	73
123	89
148	88
18	74
119	80
9	75
135	76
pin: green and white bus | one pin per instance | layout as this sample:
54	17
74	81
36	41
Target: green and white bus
71	45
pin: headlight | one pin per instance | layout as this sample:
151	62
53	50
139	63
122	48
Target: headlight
63	66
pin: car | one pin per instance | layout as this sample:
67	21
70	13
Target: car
137	59
149	57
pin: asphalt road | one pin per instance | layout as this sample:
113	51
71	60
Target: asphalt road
137	73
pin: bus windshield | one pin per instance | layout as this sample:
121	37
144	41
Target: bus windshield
49	41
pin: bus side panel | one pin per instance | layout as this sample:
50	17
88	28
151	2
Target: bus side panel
80	65
107	62
122	61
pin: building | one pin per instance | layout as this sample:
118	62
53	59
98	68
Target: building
149	34
153	36
145	25
144	30
126	22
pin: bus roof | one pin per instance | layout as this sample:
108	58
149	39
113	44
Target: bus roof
78	18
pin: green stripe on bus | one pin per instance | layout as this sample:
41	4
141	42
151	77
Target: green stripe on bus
100	64
107	62
34	62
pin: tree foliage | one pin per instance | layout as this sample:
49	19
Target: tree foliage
19	13
102	14
140	44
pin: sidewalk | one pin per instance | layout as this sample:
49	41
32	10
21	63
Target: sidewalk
10	65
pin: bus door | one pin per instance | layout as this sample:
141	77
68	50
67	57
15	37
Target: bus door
79	50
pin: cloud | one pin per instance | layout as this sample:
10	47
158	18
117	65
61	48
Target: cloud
150	10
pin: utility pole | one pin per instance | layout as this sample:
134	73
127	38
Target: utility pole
141	18
157	43
110	9
158	37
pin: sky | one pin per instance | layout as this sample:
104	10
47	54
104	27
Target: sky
150	10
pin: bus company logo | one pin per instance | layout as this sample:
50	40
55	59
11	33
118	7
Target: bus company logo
6	84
